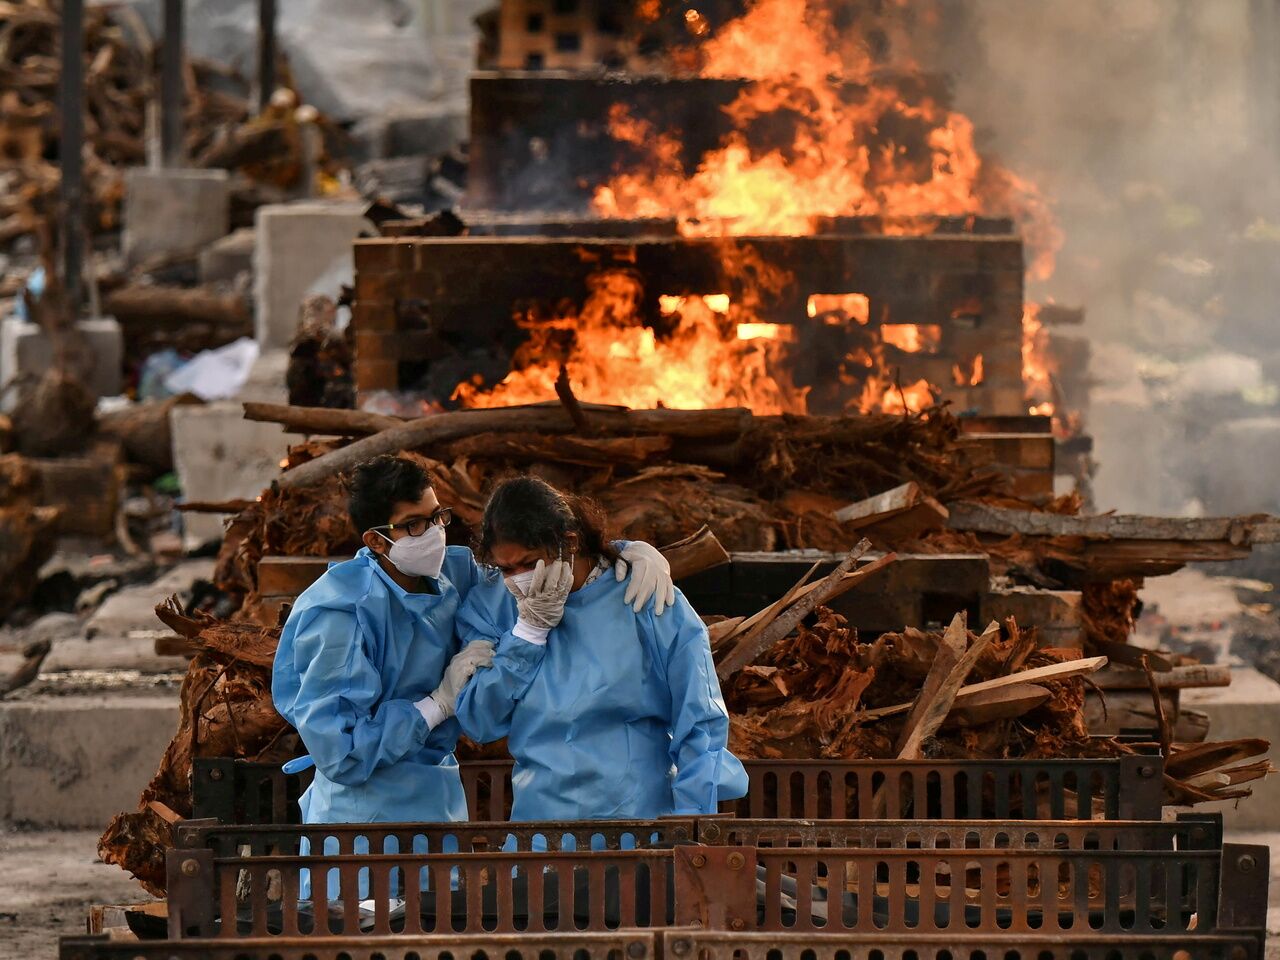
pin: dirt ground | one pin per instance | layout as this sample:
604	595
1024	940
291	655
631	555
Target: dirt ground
48	879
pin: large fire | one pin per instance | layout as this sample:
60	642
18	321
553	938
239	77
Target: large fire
819	129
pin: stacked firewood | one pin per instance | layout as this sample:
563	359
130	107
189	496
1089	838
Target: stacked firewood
120	57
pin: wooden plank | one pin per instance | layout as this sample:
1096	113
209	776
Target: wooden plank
1053	671
1056	614
1004	704
1238	531
289	576
939	705
884	504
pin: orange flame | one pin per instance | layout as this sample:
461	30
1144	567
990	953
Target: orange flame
912	337
862	144
702	360
1037	375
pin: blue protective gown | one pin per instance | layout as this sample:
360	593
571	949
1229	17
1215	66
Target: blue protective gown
618	716
356	653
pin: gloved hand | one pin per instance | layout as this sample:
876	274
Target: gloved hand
542	605
474	656
650	577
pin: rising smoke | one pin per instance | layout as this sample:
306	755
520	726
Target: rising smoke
1151	126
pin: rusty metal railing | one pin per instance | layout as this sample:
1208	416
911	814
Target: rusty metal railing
1123	893
1128	788
571	945
782	889
713	945
1188	832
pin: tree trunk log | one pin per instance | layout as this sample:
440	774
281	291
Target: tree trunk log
702	551
321	420
443	427
139	308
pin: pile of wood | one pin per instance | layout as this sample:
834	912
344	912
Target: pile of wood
815	691
226	711
796	677
120	59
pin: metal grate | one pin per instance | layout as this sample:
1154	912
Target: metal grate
816	890
1129	788
1189	832
432	893
623	945
707	945
1124	893
228	840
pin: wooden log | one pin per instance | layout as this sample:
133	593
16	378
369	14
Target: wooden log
139	308
1237	531
556	448
903	513
1178	678
321	420
538	419
936	709
950	651
1053	671
880	506
144	432
695	553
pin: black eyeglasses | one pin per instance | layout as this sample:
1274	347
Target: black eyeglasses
417	526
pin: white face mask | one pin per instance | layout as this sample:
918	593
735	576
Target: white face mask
418	556
518	584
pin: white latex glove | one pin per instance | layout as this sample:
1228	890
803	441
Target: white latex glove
542	605
650	577
476	655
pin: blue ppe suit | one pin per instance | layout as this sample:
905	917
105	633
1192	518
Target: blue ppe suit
619	715
356	653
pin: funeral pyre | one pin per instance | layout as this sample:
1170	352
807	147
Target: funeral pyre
798	679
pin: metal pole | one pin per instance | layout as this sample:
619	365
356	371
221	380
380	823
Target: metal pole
171	86
70	142
266	51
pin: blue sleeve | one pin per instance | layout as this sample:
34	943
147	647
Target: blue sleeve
334	706
706	772
487	701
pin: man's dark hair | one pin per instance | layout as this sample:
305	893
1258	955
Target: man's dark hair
379	484
529	511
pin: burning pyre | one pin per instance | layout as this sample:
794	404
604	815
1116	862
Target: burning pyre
834	119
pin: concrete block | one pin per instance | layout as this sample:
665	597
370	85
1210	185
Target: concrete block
227	257
299	244
76	761
174	211
219	455
25	349
1250	707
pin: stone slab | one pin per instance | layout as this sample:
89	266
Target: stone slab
219	455
298	245
26	349
174	212
1250	707
76	761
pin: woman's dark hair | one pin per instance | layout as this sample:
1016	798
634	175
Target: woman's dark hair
532	513
379	484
